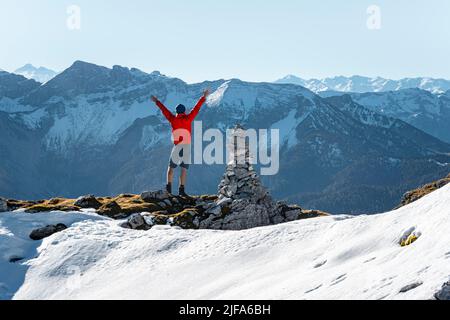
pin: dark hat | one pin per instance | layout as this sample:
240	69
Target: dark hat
181	109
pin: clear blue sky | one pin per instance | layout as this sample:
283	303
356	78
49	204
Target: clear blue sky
257	40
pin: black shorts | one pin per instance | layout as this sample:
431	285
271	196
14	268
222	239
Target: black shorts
180	156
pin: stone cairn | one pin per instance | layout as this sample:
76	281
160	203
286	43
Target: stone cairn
240	180
243	202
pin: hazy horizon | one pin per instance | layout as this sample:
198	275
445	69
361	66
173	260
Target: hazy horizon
172	76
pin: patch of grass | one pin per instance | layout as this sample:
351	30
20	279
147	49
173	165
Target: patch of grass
185	218
418	193
133	204
410	240
19	204
46	207
307	214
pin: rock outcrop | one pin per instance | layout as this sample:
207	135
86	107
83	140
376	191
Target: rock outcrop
444	293
196	212
418	193
87	202
110	209
137	222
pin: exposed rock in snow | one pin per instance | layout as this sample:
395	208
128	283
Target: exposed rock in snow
16	247
136	222
411	286
41	233
444	293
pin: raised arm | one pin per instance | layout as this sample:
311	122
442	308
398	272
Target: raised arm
199	104
169	116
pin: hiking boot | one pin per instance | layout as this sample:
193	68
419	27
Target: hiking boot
182	193
169	188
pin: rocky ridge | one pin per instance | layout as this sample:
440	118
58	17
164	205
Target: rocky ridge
161	208
418	193
242	202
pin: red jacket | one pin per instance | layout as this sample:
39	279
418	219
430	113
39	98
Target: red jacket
181	123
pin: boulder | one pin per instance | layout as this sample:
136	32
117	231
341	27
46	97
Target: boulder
110	209
215	211
14	259
152	196
3	205
156	218
41	233
87	202
444	293
187	219
137	222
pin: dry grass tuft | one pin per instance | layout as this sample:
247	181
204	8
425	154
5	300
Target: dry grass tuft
416	194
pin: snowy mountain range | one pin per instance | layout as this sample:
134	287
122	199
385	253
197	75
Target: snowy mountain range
92	129
402	254
420	108
40	74
361	84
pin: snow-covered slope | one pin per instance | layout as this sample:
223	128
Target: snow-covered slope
366	84
40	74
338	257
16	246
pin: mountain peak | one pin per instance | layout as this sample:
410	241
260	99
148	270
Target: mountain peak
84	77
40	74
290	78
156	73
83	65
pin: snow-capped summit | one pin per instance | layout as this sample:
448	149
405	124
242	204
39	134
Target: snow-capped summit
40	74
360	84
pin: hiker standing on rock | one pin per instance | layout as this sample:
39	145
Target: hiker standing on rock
181	132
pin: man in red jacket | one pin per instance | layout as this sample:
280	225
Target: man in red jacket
181	132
